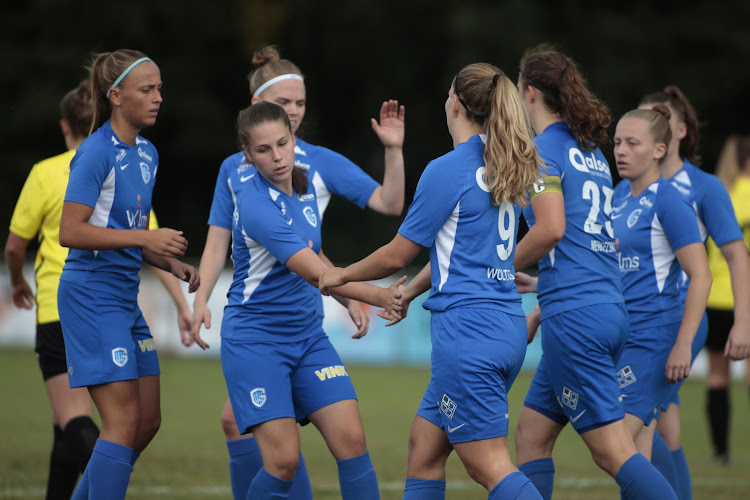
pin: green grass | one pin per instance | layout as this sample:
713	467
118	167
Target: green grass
188	459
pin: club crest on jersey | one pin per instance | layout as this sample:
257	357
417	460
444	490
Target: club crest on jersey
448	406
120	356
145	172
258	396
569	398
633	217
310	216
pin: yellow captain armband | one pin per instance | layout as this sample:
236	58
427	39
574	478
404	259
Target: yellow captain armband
547	184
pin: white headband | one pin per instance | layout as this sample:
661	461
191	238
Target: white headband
288	76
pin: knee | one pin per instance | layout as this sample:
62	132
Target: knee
282	465
229	424
532	442
351	441
150	424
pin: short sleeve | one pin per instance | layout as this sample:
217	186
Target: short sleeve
435	199
717	213
677	217
222	205
88	171
262	221
30	208
344	178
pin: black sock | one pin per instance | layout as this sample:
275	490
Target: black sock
717	408
81	434
63	471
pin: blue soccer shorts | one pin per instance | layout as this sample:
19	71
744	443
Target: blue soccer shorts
476	355
576	379
641	371
106	337
270	380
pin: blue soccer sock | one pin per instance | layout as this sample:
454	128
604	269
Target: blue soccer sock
301	488
134	457
267	487
424	489
108	470
245	461
663	460
82	490
516	486
541	473
357	478
685	485
639	480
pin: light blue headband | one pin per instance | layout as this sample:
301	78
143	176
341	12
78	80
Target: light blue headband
125	73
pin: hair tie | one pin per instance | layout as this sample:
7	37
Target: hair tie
494	79
277	79
125	73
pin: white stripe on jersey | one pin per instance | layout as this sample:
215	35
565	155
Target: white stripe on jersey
662	253
322	194
444	242
100	216
261	263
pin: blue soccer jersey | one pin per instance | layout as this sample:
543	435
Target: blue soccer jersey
712	205
116	180
582	268
649	229
329	172
267	301
471	242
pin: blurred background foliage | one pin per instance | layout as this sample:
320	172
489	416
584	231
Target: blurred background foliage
354	54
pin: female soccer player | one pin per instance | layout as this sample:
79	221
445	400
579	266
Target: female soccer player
280	81
716	219
733	169
580	293
38	210
279	366
105	213
657	233
466	210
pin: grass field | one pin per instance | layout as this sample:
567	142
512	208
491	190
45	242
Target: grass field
188	459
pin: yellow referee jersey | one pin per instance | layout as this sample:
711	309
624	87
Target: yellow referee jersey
38	210
721	290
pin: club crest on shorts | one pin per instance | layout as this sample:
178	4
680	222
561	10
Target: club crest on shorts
310	216
448	406
625	376
569	398
258	396
120	356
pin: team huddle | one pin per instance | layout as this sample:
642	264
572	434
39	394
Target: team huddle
623	281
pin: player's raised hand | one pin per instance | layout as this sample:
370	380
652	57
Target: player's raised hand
391	128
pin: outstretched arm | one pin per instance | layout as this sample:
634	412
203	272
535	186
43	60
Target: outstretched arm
738	343
388	199
380	264
308	265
